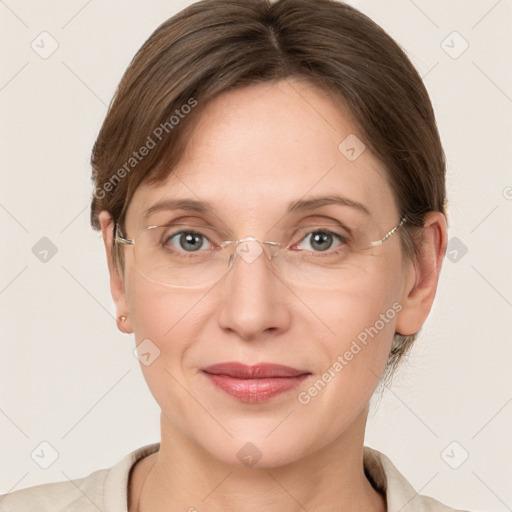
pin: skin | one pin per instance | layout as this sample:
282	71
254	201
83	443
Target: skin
312	455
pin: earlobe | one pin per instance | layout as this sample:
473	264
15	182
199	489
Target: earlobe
421	283
122	323
116	282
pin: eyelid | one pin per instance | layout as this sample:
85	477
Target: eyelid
341	238
335	227
187	226
176	229
321	221
191	226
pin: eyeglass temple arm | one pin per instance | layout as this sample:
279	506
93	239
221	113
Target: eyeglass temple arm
389	233
119	238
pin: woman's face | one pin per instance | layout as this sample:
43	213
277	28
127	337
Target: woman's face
256	151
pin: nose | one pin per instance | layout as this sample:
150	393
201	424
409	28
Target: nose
253	298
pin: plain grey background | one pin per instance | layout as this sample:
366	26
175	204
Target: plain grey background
70	379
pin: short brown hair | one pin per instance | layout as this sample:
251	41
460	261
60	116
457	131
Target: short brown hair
214	46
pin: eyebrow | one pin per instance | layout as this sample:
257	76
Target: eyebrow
317	202
204	207
191	205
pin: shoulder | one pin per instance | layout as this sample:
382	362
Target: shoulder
400	495
104	489
82	494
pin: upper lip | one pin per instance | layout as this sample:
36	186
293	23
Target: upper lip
257	371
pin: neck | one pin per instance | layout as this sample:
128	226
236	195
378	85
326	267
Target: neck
183	477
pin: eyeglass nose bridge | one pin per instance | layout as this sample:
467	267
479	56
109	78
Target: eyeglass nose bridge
249	249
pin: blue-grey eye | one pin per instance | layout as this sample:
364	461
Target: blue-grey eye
318	241
188	241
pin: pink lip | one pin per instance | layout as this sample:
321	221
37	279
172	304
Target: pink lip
256	383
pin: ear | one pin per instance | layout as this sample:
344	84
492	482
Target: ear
423	276
116	281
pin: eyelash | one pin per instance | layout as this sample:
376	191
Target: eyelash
343	240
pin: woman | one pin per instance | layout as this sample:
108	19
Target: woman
270	187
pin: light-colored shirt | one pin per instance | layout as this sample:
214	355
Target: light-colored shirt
106	490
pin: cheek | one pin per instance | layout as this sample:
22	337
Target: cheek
361	299
361	327
361	321
353	353
170	319
165	323
158	311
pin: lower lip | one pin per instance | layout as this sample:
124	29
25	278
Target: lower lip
255	390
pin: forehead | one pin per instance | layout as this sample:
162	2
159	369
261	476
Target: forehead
257	149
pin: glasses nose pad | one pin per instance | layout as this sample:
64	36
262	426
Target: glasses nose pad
249	249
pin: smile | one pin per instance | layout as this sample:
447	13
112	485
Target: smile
254	384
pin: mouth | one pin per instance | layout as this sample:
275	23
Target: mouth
254	384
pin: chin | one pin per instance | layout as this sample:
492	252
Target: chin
253	447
